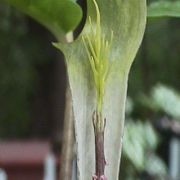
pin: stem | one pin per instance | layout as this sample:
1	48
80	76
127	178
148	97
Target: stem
99	128
100	157
68	134
68	139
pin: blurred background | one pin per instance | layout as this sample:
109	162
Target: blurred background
32	99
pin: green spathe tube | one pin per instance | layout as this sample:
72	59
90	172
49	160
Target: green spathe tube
127	20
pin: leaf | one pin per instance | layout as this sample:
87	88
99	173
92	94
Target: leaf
127	19
138	139
156	166
167	99
164	9
59	16
134	144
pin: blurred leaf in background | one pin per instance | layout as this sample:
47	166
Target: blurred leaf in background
164	8
164	99
139	157
141	138
167	100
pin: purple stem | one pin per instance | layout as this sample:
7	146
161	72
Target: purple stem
99	127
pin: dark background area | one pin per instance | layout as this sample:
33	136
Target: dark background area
32	78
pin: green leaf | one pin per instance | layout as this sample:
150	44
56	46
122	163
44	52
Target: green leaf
138	139
164	9
167	99
135	143
59	16
127	19
155	166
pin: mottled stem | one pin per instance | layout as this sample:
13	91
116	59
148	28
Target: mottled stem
99	127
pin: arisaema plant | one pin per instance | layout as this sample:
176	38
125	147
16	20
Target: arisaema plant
98	64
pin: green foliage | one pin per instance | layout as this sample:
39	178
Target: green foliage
155	166
140	142
167	99
138	136
139	149
164	9
164	99
59	16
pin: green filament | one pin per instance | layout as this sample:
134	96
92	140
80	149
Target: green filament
98	50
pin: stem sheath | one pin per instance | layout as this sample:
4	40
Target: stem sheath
99	128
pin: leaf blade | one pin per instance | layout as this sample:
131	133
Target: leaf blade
59	17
